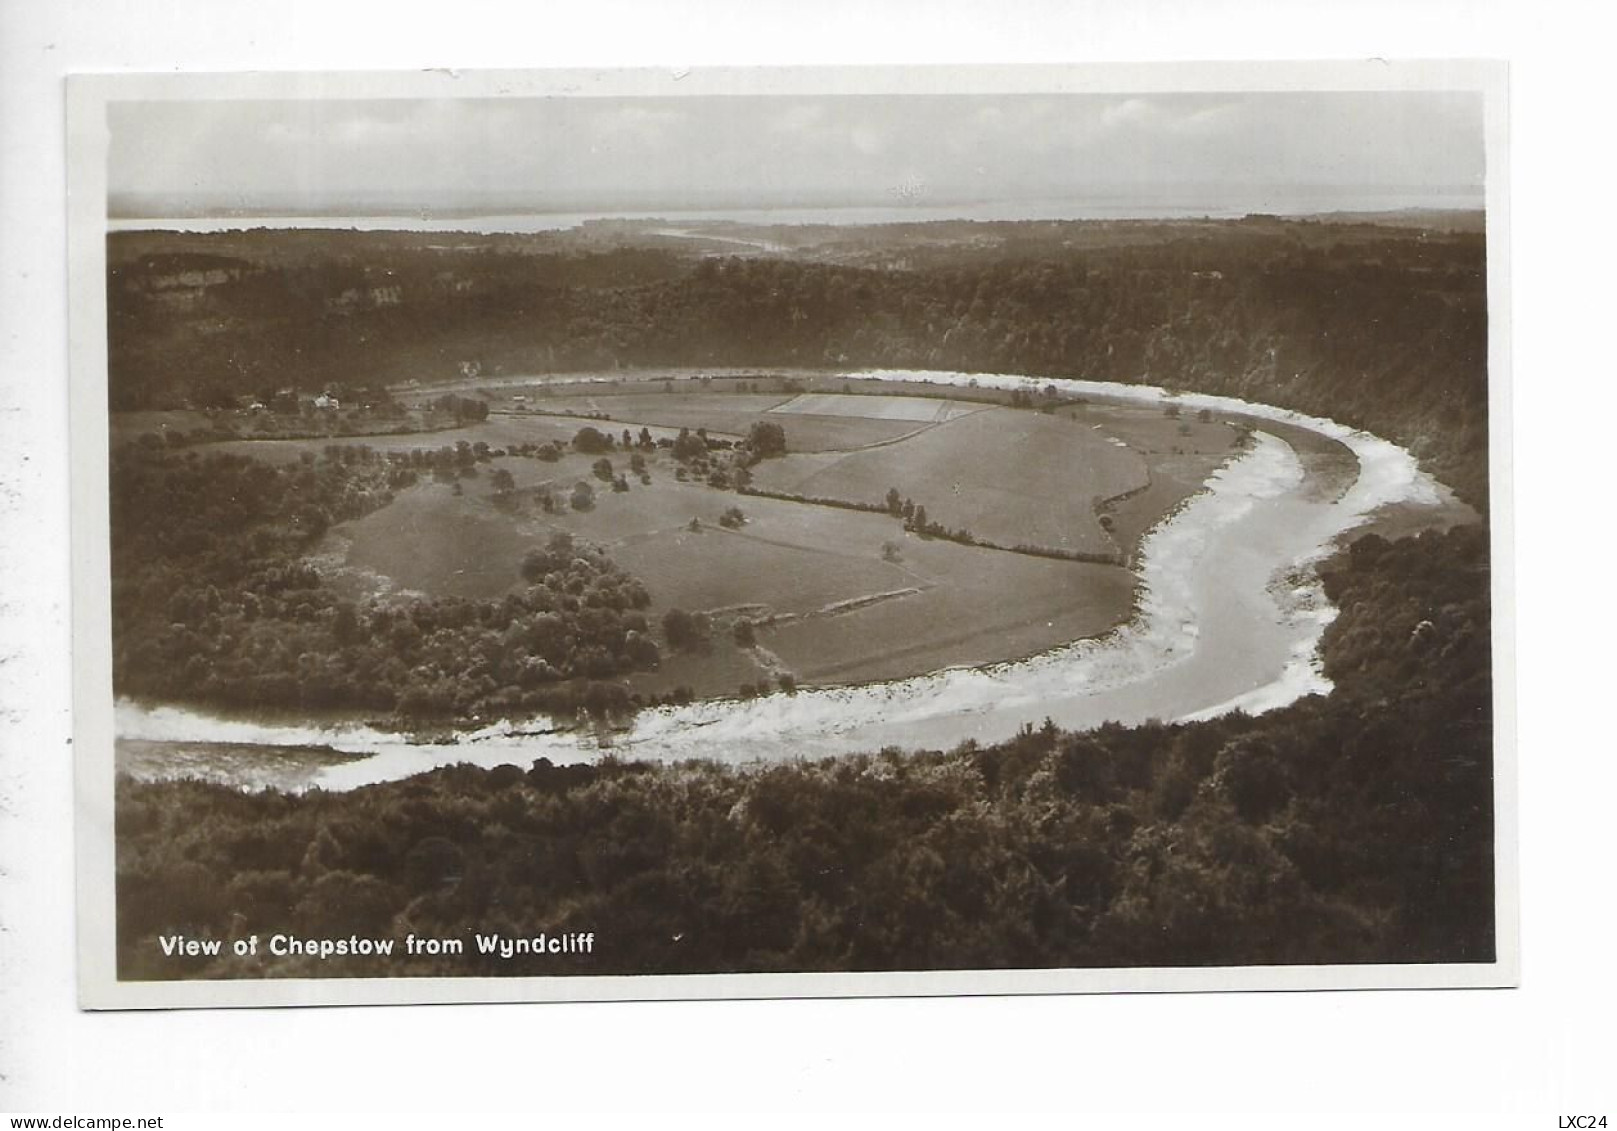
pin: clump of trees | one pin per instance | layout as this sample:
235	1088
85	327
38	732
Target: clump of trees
591	441
690	446
464	410
766	439
686	631
216	603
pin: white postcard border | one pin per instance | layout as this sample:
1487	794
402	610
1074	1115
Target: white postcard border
87	101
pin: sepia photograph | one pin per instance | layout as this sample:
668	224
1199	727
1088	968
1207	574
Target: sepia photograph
790	532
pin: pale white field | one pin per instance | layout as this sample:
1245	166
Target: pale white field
877	407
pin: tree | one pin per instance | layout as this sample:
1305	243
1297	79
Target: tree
895	502
583	496
744	634
1254	777
591	441
502	481
603	469
766	439
684	631
688	446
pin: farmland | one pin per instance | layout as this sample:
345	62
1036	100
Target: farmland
835	590
731	414
917	529
904	529
1008	477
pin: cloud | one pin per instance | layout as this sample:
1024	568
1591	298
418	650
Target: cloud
599	152
1131	112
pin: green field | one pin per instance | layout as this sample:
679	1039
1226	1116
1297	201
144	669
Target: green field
1008	476
975	606
923	410
835	595
429	541
729	415
792	568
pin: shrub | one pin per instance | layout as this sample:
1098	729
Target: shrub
591	441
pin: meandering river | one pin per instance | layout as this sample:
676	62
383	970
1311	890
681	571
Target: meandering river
1230	618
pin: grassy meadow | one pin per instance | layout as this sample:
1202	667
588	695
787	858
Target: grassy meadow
822	594
833	594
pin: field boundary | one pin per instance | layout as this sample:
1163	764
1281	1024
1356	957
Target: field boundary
963	537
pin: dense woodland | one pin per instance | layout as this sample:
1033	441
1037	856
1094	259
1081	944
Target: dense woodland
1345	829
1382	328
216	602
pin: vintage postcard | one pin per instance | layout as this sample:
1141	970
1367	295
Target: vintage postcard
644	534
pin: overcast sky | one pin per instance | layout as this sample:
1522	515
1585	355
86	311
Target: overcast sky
608	154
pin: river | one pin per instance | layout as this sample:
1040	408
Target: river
1230	618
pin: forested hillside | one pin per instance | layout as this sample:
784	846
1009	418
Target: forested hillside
1385	329
1347	829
